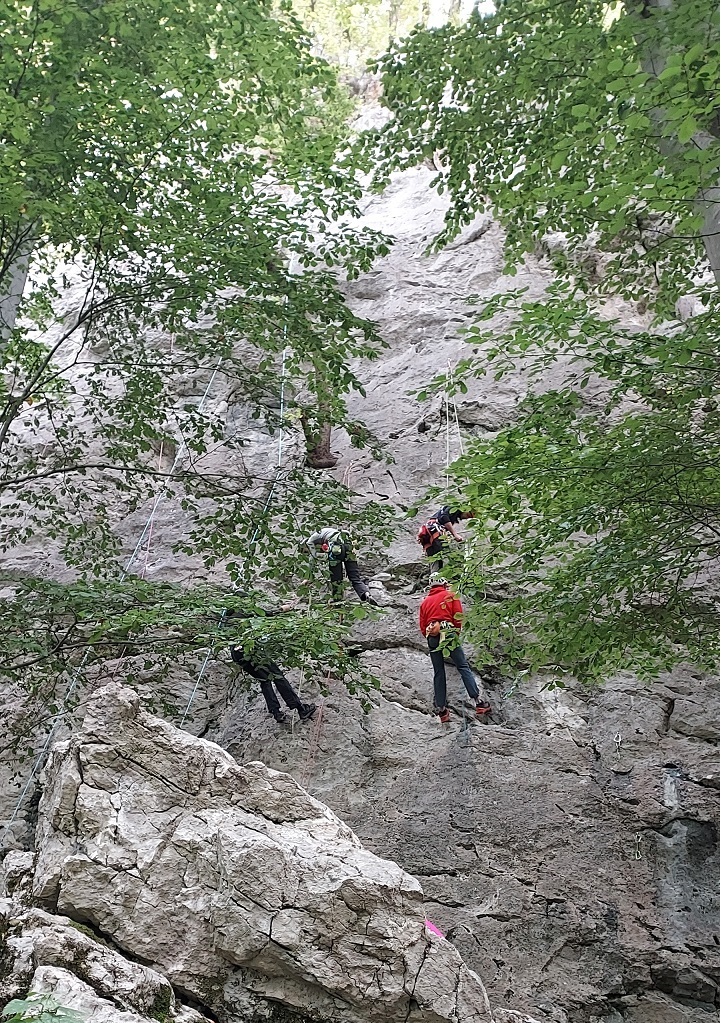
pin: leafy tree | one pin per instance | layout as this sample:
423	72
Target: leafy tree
172	228
591	131
593	119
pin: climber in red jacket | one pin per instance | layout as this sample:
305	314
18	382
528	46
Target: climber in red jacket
440	618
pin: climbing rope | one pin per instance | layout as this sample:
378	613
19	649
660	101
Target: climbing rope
450	401
179	454
314	740
448	429
57	718
256	531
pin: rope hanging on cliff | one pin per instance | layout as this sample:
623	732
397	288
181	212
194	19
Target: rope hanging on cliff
179	454
256	531
448	402
314	740
77	674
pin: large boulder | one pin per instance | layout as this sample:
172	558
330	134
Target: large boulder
246	892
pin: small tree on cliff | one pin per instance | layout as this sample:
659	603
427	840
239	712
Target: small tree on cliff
598	123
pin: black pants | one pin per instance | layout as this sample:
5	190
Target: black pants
435	553
268	675
345	558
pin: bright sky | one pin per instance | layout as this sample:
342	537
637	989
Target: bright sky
439	9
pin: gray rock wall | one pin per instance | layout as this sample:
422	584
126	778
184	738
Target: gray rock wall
569	846
240	888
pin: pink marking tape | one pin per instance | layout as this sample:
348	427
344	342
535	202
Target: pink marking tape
434	930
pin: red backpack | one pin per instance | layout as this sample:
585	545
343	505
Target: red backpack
428	533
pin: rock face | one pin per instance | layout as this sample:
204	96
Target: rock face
568	848
45	954
241	888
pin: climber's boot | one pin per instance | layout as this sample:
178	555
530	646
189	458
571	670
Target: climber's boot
483	709
306	711
280	716
444	715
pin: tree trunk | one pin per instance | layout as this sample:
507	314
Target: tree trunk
317	439
454	12
654	57
393	16
13	275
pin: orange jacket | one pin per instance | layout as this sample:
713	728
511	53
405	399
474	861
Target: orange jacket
441	605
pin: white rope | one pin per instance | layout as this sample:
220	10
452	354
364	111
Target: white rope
458	427
79	670
179	454
282	402
448	429
209	650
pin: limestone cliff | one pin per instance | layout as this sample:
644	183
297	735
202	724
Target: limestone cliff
568	848
247	894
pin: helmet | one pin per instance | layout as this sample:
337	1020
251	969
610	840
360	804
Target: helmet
437	580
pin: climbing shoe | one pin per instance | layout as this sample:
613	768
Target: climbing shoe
444	716
482	708
280	716
306	711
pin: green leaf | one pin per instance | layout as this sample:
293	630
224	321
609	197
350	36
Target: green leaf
687	129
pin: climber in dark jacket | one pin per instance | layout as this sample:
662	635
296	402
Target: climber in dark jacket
268	673
338	548
447	520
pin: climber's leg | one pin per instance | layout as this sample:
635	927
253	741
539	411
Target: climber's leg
353	573
336	579
266	675
458	657
435	553
288	693
271	700
439	673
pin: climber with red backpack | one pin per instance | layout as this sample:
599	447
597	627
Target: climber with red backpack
431	535
440	618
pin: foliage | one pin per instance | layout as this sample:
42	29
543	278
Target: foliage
601	526
168	187
350	34
590	130
147	631
161	175
40	1008
592	119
